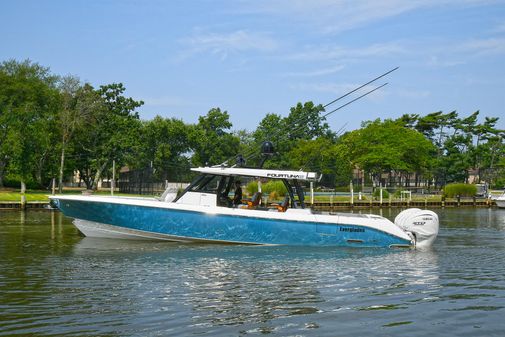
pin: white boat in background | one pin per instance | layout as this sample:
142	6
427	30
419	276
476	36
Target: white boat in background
500	200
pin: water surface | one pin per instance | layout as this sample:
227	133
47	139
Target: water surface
54	282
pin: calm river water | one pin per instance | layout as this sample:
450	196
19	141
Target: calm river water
54	282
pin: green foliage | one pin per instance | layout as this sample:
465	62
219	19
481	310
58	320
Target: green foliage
252	187
272	187
110	133
463	190
28	101
52	126
463	144
387	146
164	143
211	141
499	183
385	194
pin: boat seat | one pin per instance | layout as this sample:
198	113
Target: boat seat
255	200
283	206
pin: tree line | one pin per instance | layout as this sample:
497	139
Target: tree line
53	126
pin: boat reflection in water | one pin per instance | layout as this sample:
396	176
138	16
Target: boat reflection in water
256	286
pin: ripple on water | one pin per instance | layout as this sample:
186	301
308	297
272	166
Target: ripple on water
54	282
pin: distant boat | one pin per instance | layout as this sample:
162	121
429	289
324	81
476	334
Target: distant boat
500	201
203	213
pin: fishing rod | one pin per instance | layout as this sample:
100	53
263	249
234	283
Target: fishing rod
341	130
329	113
354	100
361	86
337	99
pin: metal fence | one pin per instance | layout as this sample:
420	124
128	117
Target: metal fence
140	182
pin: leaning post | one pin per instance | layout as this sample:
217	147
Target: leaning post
312	193
23	201
380	195
352	194
113	183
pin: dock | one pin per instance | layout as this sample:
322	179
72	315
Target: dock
320	206
28	205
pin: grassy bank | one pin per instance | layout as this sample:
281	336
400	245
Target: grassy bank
7	195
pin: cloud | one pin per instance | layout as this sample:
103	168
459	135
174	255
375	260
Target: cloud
499	28
314	73
225	44
338	52
411	93
435	61
337	16
491	46
341	89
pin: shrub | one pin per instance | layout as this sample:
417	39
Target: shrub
499	183
273	188
463	190
252	187
377	194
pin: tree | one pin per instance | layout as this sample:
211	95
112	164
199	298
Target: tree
304	122
321	155
78	103
164	145
212	143
28	101
389	147
110	134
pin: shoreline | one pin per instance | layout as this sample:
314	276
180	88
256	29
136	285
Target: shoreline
317	206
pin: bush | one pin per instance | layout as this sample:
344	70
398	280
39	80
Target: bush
377	194
252	187
499	183
14	182
463	190
276	186
273	188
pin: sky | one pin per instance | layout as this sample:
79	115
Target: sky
253	57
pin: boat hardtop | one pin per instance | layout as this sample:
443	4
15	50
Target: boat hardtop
260	173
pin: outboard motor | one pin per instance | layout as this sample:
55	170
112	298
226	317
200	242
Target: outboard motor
421	224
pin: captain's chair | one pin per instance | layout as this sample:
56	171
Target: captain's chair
283	206
255	200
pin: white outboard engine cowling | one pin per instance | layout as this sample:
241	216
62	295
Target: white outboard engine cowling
422	224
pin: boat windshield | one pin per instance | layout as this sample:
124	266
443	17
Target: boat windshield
209	184
223	187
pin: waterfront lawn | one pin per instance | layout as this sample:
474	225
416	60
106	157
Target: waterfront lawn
7	195
15	196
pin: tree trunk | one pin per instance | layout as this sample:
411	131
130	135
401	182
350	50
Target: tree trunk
98	174
2	171
62	162
23	187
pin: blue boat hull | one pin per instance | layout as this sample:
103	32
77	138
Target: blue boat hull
199	226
